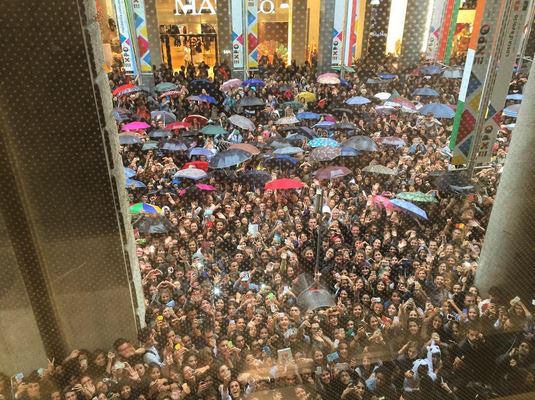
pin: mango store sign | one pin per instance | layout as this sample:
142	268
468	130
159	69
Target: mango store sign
199	7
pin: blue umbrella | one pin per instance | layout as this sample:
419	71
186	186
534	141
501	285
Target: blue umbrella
324	124
438	110
288	150
323	142
307	115
346	151
253	82
431	70
129	139
136	184
255	177
409	208
191	173
173	145
425	91
357	101
121	114
307	132
386	76
453	73
280	159
129	172
296	137
511	111
229	158
200	151
514	96
161	133
278	145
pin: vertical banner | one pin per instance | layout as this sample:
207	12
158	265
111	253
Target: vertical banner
140	22
236	12
475	71
350	39
125	38
338	32
443	35
505	58
451	32
252	33
437	21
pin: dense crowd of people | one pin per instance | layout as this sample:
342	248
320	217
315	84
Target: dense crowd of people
224	260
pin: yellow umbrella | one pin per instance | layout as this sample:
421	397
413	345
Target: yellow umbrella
307	96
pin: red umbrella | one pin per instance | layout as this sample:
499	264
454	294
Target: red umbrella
204	186
382	201
171	93
197	164
178	125
283	184
119	89
199	118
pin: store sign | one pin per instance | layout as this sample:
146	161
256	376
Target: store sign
199	7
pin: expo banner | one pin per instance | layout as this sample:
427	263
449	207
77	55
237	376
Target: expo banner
237	33
435	28
252	33
350	38
338	32
140	22
125	38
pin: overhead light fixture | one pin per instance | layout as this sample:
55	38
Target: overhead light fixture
375	2
284	4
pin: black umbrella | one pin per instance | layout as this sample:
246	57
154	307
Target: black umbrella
362	143
153	224
251	101
453	182
341	110
345	126
229	158
197	86
254	177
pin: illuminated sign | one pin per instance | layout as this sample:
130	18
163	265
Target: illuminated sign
199	7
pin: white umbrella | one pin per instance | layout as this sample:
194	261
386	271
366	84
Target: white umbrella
287	121
382	95
242	122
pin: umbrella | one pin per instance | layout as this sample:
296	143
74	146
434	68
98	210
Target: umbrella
409	207
308	132
362	143
249	148
510	126
230	84
425	91
512	111
296	137
453	182
279	145
346	151
251	101
371	81
382	95
280	160
386	76
196	164
324	153
135	126
417	196
379	169
255	177
191	173
125	89
384	109
357	101
197	86
514	96
164	116
438	110
205	187
283	184
178	125
200	151
129	172
307	96
173	145
402	102
295	105
229	158
165	87
213	130
194	117
344	126
341	110
323	142
324	124
393	141
153	224
329	117
253	82
150	145
287	121
382	201
242	122
289	150
171	93
121	114
132	183
129	139
453	73
431	70
307	115
161	133
345	68
331	172
139	208
207	98
329	78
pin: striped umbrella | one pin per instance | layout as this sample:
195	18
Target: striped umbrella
139	208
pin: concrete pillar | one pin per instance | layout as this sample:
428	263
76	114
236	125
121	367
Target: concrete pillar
413	33
224	32
298	32
326	34
153	30
508	254
377	31
63	198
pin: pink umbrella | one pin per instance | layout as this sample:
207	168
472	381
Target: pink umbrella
382	201
204	186
135	126
329	78
171	93
329	118
230	84
178	125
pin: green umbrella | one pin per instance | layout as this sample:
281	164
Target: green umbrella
293	104
213	130
165	87
346	68
417	196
